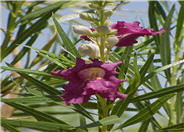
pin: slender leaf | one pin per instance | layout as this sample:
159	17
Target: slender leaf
46	47
67	42
105	121
42	11
146	66
9	127
41	85
39	125
153	20
165	53
175	128
24	50
144	126
125	59
179	106
36	27
179	25
161	69
159	93
146	113
28	71
78	108
37	114
30	99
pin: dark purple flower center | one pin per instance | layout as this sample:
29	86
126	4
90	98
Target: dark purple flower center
91	73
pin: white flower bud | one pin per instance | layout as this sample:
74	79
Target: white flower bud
91	50
103	30
86	16
111	41
82	30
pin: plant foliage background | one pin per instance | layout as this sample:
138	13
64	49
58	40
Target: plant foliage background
153	70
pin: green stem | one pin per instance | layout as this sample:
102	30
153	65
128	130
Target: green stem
102	111
108	53
172	83
102	47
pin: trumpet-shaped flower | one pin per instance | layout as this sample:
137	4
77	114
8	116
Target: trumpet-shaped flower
127	33
89	79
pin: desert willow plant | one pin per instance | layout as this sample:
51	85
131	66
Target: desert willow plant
102	78
96	75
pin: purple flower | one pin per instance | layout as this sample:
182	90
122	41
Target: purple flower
128	32
89	79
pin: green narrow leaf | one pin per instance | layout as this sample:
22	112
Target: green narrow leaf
165	53
122	105
179	25
52	59
42	11
160	9
37	26
105	121
59	60
146	66
83	122
67	42
28	71
125	58
159	93
174	128
90	105
9	127
143	44
46	47
24	50
153	20
114	57
37	114
41	85
78	108
146	113
154	81
179	106
144	126
39	125
150	75
30	99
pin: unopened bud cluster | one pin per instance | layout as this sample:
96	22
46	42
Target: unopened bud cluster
102	36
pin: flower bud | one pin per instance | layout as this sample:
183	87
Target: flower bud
91	50
93	6
108	13
86	16
111	41
82	30
113	32
103	30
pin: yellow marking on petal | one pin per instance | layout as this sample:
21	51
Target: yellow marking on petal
91	73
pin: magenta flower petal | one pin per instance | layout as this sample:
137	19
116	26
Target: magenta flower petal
128	32
88	79
106	88
74	93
